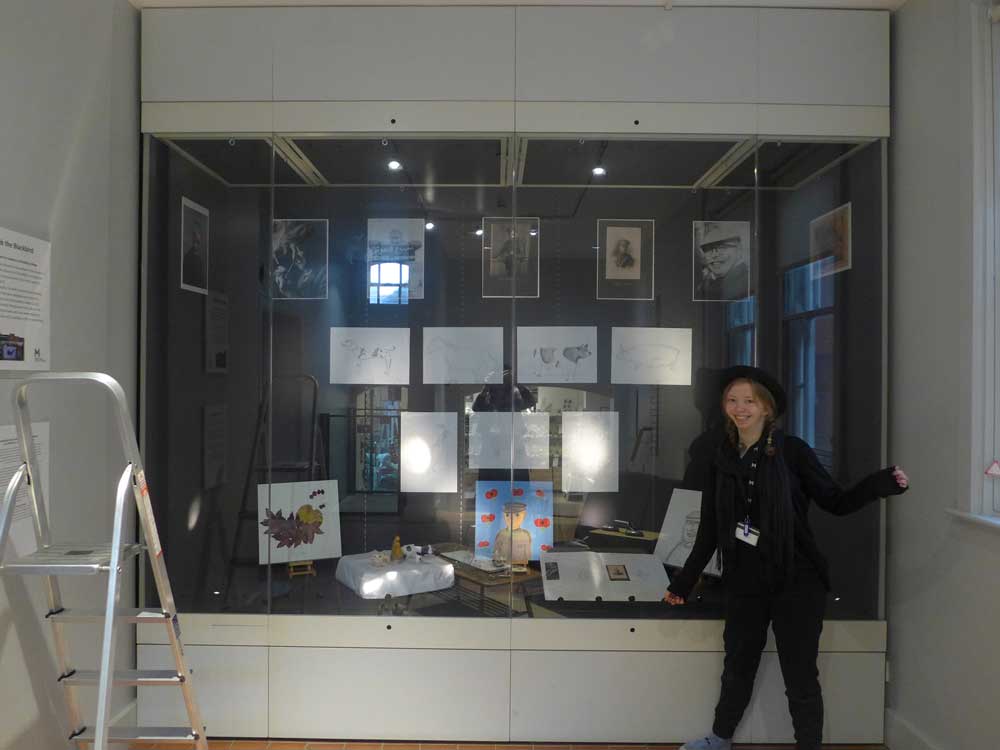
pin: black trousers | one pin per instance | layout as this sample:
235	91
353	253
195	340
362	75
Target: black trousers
796	615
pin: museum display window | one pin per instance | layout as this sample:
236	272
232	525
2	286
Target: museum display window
460	376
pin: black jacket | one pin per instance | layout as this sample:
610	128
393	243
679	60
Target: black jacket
807	481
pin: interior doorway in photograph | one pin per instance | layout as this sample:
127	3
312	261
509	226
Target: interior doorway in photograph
511	256
625	259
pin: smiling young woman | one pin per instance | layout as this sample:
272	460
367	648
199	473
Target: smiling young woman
754	512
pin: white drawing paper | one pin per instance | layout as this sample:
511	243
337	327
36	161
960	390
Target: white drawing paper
463	355
609	576
651	356
499	440
428	451
25	302
680	529
557	354
216	332
399	241
301	520
590	451
22	530
370	356
215	445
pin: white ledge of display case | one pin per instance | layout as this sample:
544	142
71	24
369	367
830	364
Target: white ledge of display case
980	519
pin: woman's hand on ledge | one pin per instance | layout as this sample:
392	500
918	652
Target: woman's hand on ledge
672	599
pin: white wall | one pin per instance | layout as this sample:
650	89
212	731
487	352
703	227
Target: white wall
943	605
69	152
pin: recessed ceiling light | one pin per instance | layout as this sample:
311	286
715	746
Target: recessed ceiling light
599	171
429	225
479	233
533	232
395	166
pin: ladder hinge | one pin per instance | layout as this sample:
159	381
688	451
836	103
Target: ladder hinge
66	675
78	732
55	612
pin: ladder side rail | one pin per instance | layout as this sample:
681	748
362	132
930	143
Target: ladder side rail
9	501
109	630
187	686
26	442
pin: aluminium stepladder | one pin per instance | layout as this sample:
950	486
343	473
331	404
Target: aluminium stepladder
52	561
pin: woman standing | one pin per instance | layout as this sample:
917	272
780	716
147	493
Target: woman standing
754	511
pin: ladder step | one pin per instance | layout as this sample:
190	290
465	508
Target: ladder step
152	677
142	734
152	616
68	560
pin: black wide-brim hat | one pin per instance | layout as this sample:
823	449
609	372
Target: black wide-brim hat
759	376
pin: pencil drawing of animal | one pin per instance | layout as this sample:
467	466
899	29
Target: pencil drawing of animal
648	356
464	364
364	354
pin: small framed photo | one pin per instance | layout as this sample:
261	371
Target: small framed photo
625	259
617	573
299	258
194	247
830	241
721	253
511	256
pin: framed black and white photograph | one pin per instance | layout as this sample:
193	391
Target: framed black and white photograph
511	251
625	259
721	260
617	573
300	258
830	241
194	247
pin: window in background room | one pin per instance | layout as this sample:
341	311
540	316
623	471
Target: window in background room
739	331
388	284
808	323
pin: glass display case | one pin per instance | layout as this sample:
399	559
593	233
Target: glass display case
461	376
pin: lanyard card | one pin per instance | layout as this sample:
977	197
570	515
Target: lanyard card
747	534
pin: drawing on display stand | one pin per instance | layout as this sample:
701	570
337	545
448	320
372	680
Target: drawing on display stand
503	440
830	241
680	529
463	355
194	246
370	356
299	258
300	520
428	451
589	451
513	520
651	356
399	241
625	259
511	256
557	354
602	576
721	252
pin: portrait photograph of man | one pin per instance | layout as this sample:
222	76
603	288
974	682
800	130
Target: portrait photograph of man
721	251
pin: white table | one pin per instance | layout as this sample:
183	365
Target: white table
404	578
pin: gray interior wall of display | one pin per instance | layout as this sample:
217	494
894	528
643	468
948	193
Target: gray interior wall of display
69	148
943	657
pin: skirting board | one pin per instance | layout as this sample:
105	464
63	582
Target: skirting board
899	733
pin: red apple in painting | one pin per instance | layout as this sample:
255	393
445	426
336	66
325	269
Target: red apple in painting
518	491
488	517
490	494
540	493
484	543
545	547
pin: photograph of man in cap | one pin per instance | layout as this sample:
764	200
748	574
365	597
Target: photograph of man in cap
721	270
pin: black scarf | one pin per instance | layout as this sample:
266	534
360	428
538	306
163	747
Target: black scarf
777	514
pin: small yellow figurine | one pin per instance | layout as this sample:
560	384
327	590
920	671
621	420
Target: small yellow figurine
397	549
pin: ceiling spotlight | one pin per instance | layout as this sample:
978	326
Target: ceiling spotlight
395	166
533	232
429	225
599	171
479	233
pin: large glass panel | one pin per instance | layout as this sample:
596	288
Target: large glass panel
499	349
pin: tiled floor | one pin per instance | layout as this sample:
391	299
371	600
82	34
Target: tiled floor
325	745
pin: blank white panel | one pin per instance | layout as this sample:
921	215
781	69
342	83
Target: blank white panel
391	694
592	696
394	117
823	120
211	630
230	685
373	54
636	54
638	118
824	57
206	54
853	700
